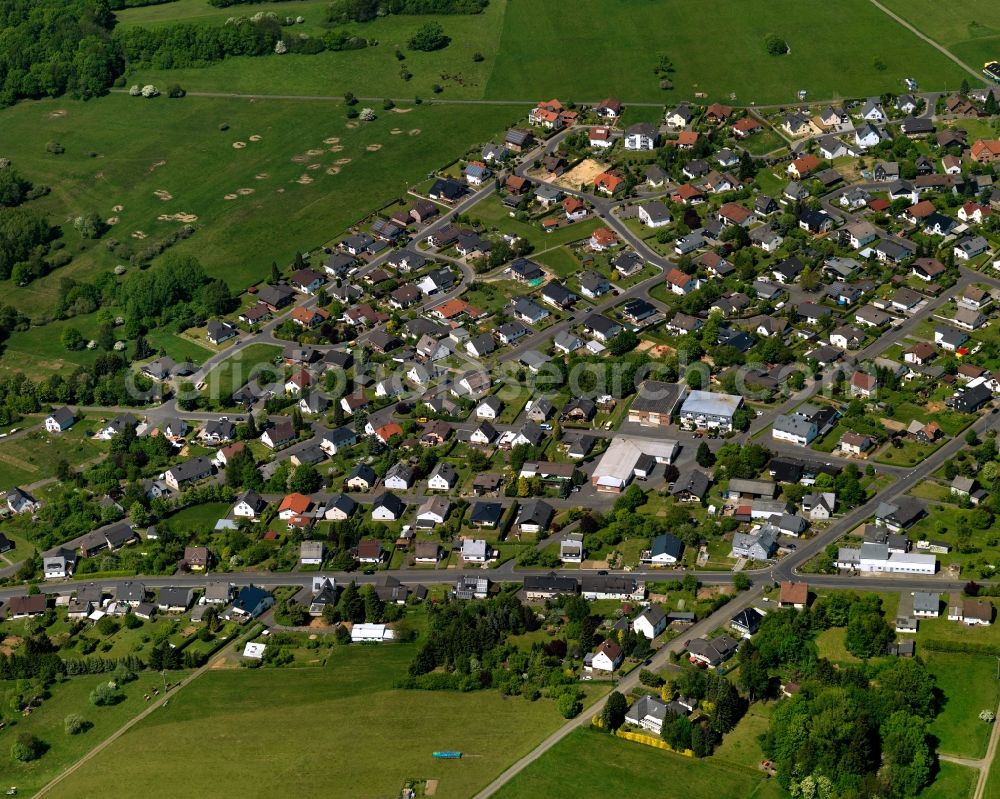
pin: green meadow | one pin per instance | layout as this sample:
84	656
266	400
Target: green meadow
340	730
589	49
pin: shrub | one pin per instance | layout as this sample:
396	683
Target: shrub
175	90
74	724
477	57
149	90
26	748
428	37
388	104
105	694
367	115
55	148
569	704
775	45
135	91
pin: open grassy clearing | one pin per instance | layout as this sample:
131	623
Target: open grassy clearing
337	744
741	746
633	35
969	683
33	457
953	782
309	174
591	765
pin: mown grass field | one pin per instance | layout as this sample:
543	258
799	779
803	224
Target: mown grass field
340	731
591	765
290	189
971	29
726	57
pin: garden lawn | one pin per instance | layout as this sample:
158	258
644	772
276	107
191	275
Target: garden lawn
198	518
560	260
285	716
178	347
969	683
493	214
741	746
592	765
71	696
235	372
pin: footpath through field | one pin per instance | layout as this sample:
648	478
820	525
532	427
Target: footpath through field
919	34
718	619
135	720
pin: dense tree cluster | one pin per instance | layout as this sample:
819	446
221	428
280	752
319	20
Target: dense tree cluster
25	236
860	730
187	45
52	47
461	631
340	11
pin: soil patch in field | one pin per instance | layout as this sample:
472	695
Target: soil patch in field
163	194
582	174
179	217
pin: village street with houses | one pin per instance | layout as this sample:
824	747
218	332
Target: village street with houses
886	355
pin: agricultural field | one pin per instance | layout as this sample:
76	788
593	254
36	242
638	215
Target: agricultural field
591	765
634	36
535	49
371	72
244	710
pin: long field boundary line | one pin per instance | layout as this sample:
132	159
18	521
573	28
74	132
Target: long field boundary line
72	768
918	33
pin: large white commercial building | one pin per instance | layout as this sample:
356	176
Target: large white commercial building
877	558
